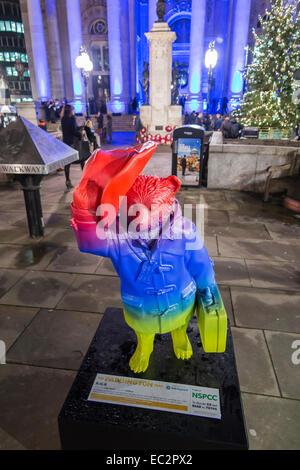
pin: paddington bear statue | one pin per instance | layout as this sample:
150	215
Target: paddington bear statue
164	268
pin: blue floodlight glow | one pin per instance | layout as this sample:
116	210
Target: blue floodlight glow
237	84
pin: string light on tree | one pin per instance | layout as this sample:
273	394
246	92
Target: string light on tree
269	78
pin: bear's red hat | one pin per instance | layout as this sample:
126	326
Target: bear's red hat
107	176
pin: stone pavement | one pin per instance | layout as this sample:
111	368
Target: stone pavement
52	298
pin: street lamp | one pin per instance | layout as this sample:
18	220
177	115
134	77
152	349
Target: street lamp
84	63
211	58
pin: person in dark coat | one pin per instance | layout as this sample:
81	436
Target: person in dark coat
218	122
90	133
186	118
183	165
226	128
109	127
236	128
71	136
100	120
138	126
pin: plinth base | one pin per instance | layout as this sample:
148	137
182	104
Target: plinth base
88	425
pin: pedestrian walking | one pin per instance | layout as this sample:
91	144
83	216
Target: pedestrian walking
109	127
100	120
183	165
71	136
138	126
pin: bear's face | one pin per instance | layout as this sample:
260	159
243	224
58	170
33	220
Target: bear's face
150	200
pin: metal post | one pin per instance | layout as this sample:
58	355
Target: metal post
31	188
209	89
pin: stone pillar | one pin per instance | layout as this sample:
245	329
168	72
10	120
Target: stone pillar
152	15
75	42
160	113
117	103
238	43
36	49
198	16
132	39
54	50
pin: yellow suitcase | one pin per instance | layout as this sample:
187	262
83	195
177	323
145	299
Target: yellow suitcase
212	320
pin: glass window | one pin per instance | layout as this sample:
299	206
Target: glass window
1	57
106	58
17	55
17	85
12	57
13	26
19	28
97	61
15	73
7	26
24	58
2	26
9	41
9	71
26	73
6	57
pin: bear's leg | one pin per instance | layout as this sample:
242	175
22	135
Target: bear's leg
181	343
140	360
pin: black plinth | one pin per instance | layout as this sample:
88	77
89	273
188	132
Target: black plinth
100	426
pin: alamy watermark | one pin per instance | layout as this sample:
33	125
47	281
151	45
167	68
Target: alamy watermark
2	352
156	222
296	354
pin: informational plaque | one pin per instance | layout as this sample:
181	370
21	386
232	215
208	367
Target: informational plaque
155	395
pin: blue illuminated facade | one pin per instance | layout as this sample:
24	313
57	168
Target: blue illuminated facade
114	35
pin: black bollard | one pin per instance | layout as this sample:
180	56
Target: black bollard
31	188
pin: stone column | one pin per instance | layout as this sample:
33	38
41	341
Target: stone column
238	43
117	102
36	49
75	42
152	15
132	38
198	16
160	113
54	50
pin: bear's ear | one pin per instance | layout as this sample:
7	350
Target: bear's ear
175	182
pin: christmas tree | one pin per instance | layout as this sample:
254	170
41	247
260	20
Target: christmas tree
269	79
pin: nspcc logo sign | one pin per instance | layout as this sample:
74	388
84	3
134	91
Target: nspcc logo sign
203	396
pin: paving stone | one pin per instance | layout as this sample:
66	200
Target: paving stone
14	234
216	218
241	231
259	249
11	218
226	297
65	237
275	275
56	221
285	352
13	321
283	230
221	205
231	271
38	289
106	268
35	255
211	246
30	401
266	309
272	423
9	443
55	338
9	277
254	365
7	256
92	294
69	259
